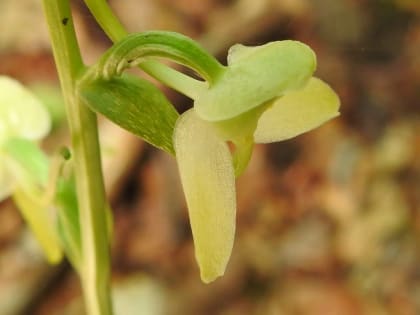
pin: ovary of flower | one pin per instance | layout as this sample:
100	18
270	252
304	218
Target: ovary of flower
21	116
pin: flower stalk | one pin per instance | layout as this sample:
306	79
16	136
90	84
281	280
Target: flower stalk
95	272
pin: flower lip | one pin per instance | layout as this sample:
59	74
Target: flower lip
208	180
255	75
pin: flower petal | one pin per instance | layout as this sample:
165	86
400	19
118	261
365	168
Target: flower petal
297	112
21	113
41	224
208	179
254	76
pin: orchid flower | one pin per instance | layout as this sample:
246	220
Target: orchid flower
21	116
208	171
261	98
23	166
264	94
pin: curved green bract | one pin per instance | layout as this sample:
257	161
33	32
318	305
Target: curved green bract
138	47
297	112
254	76
134	104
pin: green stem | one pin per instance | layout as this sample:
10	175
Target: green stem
165	74
95	272
174	79
107	19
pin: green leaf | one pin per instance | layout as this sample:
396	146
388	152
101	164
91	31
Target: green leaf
68	224
21	113
68	219
134	104
297	112
208	179
254	76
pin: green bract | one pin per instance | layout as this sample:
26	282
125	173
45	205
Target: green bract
264	94
139	47
134	104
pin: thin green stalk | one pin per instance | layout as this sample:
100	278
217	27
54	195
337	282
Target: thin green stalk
113	28
107	19
95	272
178	81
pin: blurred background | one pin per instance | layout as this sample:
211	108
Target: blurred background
328	223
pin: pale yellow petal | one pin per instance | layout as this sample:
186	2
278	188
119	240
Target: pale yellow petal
297	112
208	180
21	113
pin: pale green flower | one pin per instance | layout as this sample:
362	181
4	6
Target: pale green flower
23	166
21	116
266	94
